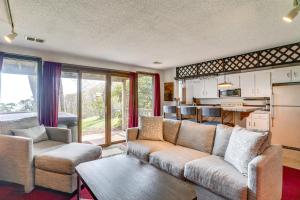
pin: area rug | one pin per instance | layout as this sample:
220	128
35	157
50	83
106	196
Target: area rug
10	191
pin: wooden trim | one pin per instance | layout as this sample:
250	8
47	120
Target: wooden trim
93	69
145	73
108	110
79	107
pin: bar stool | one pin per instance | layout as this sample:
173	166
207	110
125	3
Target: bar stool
189	113
170	110
211	112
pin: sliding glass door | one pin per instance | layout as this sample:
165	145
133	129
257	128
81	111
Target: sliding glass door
93	115
119	107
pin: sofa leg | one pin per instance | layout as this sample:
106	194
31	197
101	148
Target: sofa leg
28	188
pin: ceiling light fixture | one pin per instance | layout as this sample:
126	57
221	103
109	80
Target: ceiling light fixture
293	13
157	63
10	37
224	84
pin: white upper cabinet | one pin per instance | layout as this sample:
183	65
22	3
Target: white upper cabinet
234	79
198	88
282	75
296	74
211	88
263	84
256	84
247	84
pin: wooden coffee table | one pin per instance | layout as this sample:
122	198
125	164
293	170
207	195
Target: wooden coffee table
124	177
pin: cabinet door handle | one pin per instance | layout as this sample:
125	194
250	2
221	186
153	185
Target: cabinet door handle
254	124
257	91
249	124
295	74
288	74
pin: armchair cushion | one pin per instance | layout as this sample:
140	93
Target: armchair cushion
170	130
132	134
37	133
45	146
7	126
59	134
223	134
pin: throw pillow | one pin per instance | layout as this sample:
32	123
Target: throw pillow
37	133
151	128
244	145
222	137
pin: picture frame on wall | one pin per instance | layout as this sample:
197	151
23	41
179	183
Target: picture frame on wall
169	91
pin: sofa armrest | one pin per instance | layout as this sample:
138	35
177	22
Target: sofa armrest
16	160
132	134
265	175
59	134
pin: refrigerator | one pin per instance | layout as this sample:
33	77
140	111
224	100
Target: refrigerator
285	115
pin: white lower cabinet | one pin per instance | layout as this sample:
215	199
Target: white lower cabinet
259	121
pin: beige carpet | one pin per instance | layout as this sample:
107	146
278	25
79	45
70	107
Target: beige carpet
114	150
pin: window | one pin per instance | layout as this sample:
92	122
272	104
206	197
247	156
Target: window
145	95
18	86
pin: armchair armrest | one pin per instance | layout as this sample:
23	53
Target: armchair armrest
265	175
16	160
59	134
132	134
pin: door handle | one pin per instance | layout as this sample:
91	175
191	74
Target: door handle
254	124
288	74
295	74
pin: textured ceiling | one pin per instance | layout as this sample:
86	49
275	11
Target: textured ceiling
138	32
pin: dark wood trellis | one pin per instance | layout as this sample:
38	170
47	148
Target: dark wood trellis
287	54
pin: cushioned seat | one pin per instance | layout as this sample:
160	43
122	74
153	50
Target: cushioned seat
215	174
45	146
142	148
173	159
65	158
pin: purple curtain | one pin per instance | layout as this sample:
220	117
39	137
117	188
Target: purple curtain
1	60
49	93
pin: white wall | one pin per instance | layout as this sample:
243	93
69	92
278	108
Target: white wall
168	75
72	59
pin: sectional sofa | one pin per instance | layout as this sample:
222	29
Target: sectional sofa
205	155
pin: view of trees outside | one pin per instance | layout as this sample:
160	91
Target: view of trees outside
145	95
18	86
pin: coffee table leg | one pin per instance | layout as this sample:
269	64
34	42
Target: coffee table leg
78	188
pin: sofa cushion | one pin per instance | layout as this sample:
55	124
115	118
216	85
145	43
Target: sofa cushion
151	128
142	148
244	145
173	159
222	137
44	146
37	133
7	126
196	136
170	130
215	174
65	158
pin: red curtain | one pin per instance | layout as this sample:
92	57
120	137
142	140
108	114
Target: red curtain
157	95
50	83
133	101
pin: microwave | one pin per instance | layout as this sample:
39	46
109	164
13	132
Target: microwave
230	93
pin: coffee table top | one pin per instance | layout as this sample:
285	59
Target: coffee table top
124	177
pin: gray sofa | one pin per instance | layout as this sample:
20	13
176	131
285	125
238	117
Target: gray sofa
194	152
49	163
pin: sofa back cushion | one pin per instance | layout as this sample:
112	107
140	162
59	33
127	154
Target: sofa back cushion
151	128
244	145
222	137
7	126
37	133
170	130
196	136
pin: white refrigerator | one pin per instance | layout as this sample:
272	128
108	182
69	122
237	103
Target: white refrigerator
285	115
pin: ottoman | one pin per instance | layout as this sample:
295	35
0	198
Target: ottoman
56	169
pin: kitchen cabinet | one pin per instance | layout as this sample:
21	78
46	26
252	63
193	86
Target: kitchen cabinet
282	75
247	84
296	74
259	121
263	84
199	88
211	88
234	79
256	84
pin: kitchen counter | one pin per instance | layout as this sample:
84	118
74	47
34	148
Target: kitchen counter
231	108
